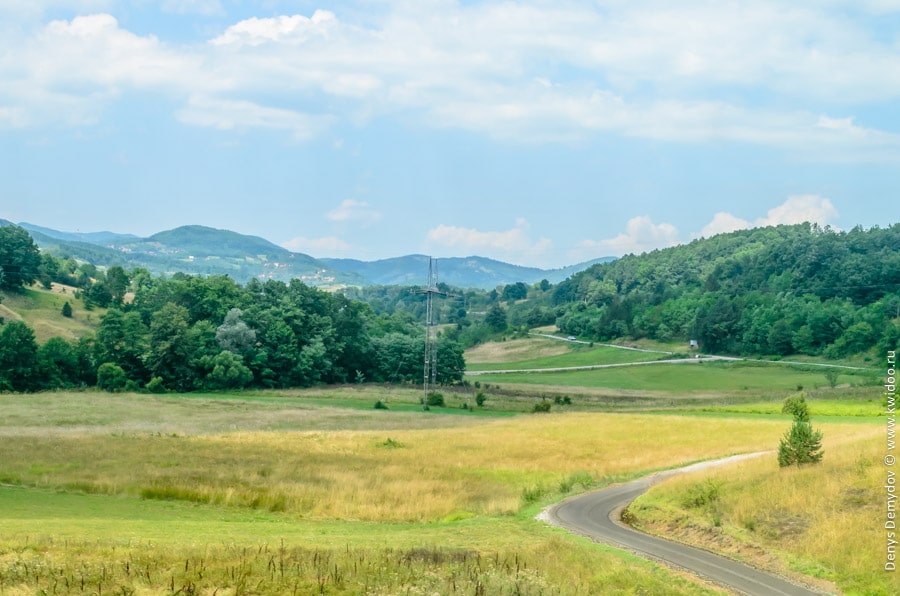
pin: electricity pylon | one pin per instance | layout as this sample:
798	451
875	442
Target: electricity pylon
430	369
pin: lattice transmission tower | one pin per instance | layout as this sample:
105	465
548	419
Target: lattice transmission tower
430	369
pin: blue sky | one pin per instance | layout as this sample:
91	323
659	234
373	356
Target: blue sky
539	132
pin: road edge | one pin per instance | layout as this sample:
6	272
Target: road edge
548	516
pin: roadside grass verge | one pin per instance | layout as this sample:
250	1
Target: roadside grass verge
824	520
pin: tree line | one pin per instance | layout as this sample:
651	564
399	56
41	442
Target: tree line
188	333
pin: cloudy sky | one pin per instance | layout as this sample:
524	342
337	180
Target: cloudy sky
540	132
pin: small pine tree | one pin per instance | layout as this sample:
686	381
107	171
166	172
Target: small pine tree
800	445
67	310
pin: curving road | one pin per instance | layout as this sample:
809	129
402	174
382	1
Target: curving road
597	516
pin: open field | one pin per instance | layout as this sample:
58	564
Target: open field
572	355
687	377
314	490
271	492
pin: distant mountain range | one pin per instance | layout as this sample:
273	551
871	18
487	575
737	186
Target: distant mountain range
199	250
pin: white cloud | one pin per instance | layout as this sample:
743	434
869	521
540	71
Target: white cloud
317	247
292	29
231	115
532	70
508	244
722	223
352	210
796	209
641	235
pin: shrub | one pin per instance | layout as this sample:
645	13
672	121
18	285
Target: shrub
480	399
703	493
380	405
156	385
583	479
541	407
533	494
111	377
435	399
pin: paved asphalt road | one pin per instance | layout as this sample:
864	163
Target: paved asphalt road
596	515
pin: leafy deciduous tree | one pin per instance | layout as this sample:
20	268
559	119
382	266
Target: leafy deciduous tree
20	259
18	357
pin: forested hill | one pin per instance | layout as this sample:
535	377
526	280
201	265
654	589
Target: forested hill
775	290
200	250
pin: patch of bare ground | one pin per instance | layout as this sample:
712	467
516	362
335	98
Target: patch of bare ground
715	539
57	288
515	350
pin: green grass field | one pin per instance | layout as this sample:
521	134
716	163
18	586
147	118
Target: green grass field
686	377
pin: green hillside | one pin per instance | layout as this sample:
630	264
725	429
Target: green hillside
41	310
777	290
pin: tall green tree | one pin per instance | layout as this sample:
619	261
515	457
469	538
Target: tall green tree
123	339
58	364
117	283
172	348
18	358
20	259
496	318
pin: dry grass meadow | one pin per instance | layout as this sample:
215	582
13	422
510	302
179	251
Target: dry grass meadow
824	521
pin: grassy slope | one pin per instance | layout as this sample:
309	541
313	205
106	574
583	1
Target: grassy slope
42	310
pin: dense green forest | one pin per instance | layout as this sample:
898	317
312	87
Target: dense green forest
780	290
772	291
